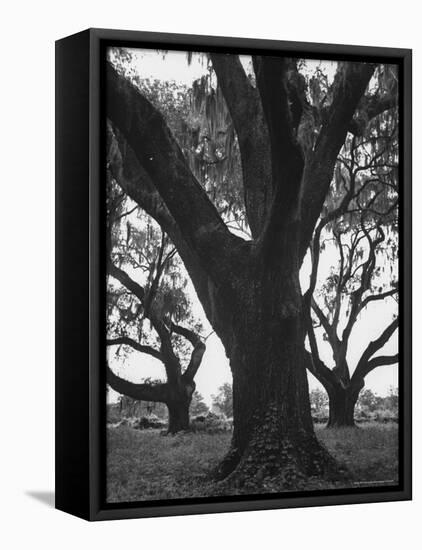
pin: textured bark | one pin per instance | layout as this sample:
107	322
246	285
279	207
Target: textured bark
178	407
178	417
247	113
342	403
273	433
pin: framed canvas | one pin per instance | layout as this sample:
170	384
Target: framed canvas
233	275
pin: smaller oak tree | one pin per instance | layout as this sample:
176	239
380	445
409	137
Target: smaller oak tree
360	228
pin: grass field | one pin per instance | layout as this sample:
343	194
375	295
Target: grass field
143	465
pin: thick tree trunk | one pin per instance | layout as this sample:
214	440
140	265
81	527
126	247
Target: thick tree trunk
178	407
178	416
342	403
273	438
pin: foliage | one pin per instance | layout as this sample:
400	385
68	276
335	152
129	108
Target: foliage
368	400
391	402
139	247
126	407
223	400
201	124
319	400
198	405
371	406
211	423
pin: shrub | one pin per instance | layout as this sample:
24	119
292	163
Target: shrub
211	423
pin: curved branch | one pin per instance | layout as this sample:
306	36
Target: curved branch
329	329
126	341
366	364
187	333
368	268
133	179
197	352
162	159
195	362
380	361
143	392
314	363
136	289
380	296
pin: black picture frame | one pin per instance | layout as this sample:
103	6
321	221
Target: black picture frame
80	280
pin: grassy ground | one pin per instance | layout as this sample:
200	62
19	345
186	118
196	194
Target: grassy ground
143	465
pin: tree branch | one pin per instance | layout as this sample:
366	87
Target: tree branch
314	364
197	353
365	278
375	106
143	392
136	289
195	362
162	159
159	269
380	361
126	341
329	329
133	179
167	355
286	154
380	296
187	333
349	85
246	111
366	364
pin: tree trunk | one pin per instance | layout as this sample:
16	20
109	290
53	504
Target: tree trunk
273	437
178	406
176	393
342	402
178	416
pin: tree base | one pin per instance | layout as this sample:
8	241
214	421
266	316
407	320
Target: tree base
285	463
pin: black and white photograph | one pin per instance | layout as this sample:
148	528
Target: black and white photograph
252	295
210	307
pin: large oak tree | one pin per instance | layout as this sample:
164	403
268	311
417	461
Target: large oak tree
250	289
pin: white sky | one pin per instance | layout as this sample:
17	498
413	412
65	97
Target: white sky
215	370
